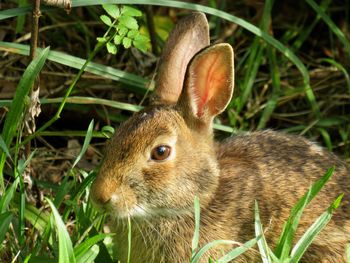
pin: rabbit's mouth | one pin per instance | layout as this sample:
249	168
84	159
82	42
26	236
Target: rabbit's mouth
141	211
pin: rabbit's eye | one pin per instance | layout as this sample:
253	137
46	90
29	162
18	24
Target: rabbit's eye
160	153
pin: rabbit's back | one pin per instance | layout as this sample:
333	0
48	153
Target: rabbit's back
276	169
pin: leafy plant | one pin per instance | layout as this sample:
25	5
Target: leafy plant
123	29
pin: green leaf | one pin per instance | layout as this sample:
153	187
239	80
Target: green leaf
21	19
117	39
229	256
310	234
133	33
37	218
3	147
7	196
112	10
262	244
130	11
134	82
111	48
65	187
5	220
348	252
126	42
336	30
90	255
141	42
84	247
65	247
15	113
195	239
129	22
122	30
108	131
285	242
85	144
22	90
105	19
238	251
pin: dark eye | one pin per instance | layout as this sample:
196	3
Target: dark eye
160	153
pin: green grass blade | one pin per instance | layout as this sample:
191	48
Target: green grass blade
238	251
255	58
262	244
341	68
37	218
276	86
348	253
5	220
21	19
85	144
95	101
90	255
7	196
289	229
14	12
310	234
304	33
4	148
66	252
285	242
195	239
196	258
129	239
341	36
15	113
84	247
64	188
326	138
114	104
134	82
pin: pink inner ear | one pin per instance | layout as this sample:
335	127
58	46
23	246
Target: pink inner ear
211	76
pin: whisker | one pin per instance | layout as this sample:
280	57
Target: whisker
169	228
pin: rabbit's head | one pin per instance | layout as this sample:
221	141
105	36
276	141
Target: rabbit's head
164	156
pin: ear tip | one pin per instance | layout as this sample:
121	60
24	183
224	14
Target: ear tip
199	17
225	47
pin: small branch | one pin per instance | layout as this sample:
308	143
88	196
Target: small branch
34	102
35	29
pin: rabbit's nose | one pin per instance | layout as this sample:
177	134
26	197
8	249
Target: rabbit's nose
101	198
102	191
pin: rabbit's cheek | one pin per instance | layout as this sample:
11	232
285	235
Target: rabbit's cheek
158	175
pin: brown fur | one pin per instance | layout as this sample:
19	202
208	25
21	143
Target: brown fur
273	168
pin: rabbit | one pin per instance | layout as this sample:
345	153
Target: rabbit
161	158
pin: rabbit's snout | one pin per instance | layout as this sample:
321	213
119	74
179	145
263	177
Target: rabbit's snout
102	191
110	195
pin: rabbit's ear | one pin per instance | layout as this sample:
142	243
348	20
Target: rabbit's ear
209	83
190	35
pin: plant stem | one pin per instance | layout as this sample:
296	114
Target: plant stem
97	48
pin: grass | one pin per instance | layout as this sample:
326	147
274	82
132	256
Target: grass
291	74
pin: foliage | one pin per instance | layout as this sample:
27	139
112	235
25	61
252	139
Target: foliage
124	29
